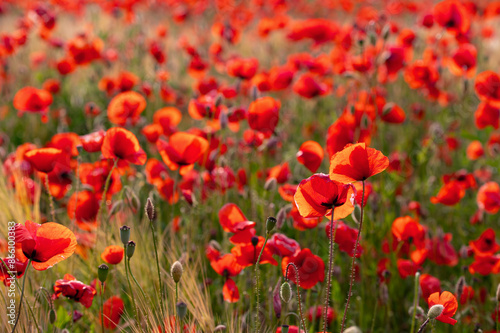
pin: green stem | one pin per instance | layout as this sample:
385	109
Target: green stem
135	281
299	302
102	307
257	305
130	287
22	295
104	193
351	282
330	270
415	301
51	199
421	329
158	269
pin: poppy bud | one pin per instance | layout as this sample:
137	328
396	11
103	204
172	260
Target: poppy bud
176	271
356	213
254	240
284	328
102	272
419	313
150	210
277	299
286	292
130	249
125	234
270	224
218	100
384	293
220	328
386	31
255	93
223	120
270	184
373	38
181	309
116	207
459	287
213	243
52	316
435	311
132	199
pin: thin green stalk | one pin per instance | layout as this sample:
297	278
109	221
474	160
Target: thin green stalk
351	282
22	295
51	199
158	269
104	193
130	287
135	281
257	294
330	270
415	301
102	307
421	329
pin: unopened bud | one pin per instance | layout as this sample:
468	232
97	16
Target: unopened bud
176	271
384	293
459	287
125	234
102	272
181	310
115	208
218	100
270	224
130	249
281	217
286	292
52	316
435	311
498	293
255	93
270	184
150	210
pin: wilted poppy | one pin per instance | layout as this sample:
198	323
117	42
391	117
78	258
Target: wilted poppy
73	289
122	144
311	268
44	244
357	162
450	304
126	107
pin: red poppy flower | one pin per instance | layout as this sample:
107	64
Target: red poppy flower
463	61
226	265
95	175
487	115
230	291
152	132
467	294
392	114
486	244
92	142
408	230
73	289
263	114
487	86
291	329
441	251
126	107
485	265
283	246
83	207
303	223
122	144
429	285
44	159
242	68
317	29
182	151
453	16
13	266
450	304
315	313
345	237
246	254
317	195
166	189
309	87
357	162
168	118
475	150
112	254
310	155
67	142
113	309
311	268
45	244
280	172
30	99
450	194
406	268
488	197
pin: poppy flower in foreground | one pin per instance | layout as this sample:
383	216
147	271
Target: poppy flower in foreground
44	159
450	304
182	151
44	244
311	268
317	195
122	144
357	162
73	289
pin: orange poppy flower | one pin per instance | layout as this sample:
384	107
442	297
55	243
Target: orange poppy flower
463	61
125	107
357	162
488	197
112	254
230	291
246	254
475	150
263	114
310	155
311	268
113	309
44	159
453	16
152	132
83	208
30	99
45	244
168	118
182	151
122	144
450	194
317	195
67	142
450	304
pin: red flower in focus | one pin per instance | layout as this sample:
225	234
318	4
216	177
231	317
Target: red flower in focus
317	195
112	254
182	151
122	144
311	268
357	162
246	253
450	304
232	219
227	266
310	155
45	244
263	114
44	159
73	289
113	309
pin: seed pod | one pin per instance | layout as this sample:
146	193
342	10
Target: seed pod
435	311
130	249
176	271
181	310
270	224
286	292
125	234
284	328
254	240
102	272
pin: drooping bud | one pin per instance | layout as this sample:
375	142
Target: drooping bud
277	300
435	311
130	249
102	272
281	217
286	292
181	310
52	316
270	184
115	208
150	210
218	100
133	200
270	224
459	287
176	271
125	234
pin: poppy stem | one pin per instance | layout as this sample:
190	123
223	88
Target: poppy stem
421	329
299	302
135	281
102	307
351	282
257	273
330	270
415	301
104	193
22	295
158	269
130	287
51	199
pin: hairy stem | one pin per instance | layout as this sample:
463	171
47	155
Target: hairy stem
257	273
330	271
415	301
297	279
22	295
421	329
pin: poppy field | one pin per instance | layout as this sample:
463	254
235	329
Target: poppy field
182	166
